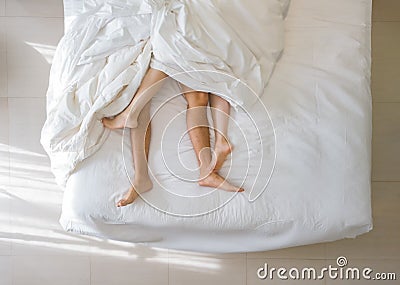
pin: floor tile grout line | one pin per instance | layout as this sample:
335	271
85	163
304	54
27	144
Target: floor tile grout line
168	254
11	224
7	85
90	269
245	268
42	17
385	21
380	102
385	181
26	97
9	125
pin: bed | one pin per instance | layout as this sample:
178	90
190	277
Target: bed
309	152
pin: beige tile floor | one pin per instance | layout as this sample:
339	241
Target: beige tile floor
35	250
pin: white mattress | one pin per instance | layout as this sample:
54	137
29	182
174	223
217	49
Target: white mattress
315	159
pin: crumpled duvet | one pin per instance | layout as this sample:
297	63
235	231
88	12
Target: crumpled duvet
106	50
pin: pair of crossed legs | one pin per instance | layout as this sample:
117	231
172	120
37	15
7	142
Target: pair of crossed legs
137	117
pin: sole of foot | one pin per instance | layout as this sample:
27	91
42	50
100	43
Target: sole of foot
132	194
214	180
119	122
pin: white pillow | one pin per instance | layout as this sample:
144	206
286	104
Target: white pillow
260	25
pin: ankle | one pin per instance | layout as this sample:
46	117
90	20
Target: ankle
143	184
205	173
141	178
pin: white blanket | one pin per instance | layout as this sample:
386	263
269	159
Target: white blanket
98	65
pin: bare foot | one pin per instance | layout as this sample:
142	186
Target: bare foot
132	194
122	120
221	150
216	181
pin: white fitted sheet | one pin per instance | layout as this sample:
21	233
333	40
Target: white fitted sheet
320	105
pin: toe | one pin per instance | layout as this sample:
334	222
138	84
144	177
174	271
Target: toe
121	203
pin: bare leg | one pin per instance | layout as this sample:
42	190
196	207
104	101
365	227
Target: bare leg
140	139
148	88
197	124
220	110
